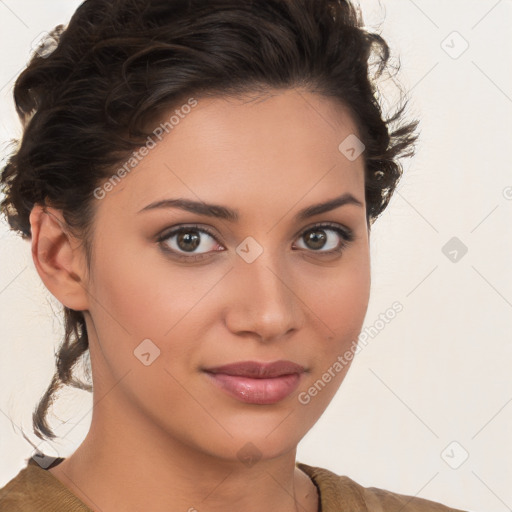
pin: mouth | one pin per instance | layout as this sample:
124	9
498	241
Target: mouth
257	383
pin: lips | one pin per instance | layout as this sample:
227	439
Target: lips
257	383
256	370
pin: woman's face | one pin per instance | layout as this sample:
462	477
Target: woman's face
263	287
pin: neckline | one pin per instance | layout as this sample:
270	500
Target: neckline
334	490
60	491
321	478
307	471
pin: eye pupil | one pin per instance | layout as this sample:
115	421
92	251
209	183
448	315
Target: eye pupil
187	238
317	237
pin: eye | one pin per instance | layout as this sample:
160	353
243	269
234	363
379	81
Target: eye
183	242
326	238
186	239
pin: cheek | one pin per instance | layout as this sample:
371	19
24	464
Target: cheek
341	310
139	299
340	305
339	298
140	296
142	291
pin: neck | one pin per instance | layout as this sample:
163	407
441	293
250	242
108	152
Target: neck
132	464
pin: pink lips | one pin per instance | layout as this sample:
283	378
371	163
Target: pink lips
257	383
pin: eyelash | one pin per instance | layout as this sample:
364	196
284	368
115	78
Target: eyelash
347	236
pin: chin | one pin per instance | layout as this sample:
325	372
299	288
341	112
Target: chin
249	447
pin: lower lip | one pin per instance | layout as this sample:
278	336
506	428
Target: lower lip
257	391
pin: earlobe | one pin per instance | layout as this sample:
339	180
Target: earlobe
56	257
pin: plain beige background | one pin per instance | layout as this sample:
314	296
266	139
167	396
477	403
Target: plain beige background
427	405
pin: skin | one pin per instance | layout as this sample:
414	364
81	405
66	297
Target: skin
156	428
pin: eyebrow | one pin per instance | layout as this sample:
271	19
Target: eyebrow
222	212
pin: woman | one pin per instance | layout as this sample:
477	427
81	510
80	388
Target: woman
198	180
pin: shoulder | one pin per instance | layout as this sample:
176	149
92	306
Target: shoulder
336	491
35	489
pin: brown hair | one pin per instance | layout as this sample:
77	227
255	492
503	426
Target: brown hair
121	63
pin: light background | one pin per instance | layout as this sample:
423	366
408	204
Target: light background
440	371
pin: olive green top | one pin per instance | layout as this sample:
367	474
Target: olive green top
34	489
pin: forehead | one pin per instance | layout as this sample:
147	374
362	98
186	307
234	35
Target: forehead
276	148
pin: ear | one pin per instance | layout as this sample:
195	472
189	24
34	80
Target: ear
58	258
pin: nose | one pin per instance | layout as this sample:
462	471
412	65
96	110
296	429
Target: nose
263	300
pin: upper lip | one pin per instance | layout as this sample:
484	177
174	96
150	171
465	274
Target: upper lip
257	370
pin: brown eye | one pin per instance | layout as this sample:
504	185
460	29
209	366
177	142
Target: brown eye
186	239
315	239
326	238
